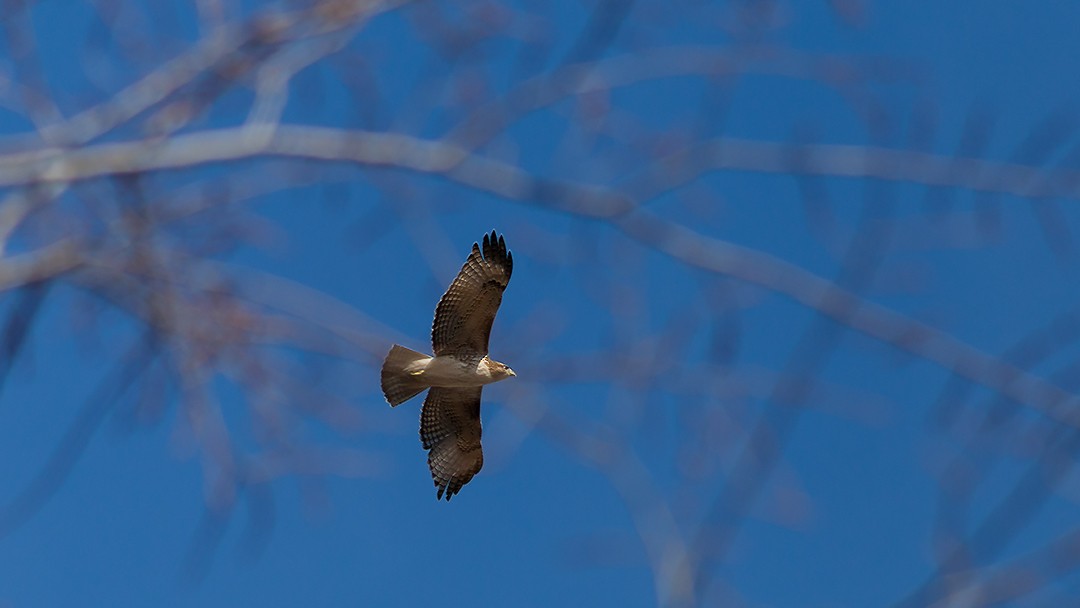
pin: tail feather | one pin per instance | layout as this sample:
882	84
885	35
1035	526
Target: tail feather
398	385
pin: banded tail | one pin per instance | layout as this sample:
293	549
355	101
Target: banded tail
399	385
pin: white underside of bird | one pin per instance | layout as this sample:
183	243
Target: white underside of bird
406	372
451	371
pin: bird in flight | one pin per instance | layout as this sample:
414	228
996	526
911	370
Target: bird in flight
450	419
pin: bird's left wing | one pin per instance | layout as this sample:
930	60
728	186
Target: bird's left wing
450	430
466	311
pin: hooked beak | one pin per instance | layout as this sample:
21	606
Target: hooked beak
510	371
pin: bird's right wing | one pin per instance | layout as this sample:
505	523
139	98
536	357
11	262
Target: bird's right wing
450	430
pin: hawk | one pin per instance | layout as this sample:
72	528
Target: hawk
450	419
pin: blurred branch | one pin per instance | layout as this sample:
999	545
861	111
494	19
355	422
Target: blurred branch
48	480
654	522
858	313
510	181
401	151
140	198
17	327
764	447
490	119
221	44
39	265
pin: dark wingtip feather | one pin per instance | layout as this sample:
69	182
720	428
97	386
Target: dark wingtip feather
494	247
444	488
494	252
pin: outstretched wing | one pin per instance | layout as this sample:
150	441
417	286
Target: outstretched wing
450	431
466	311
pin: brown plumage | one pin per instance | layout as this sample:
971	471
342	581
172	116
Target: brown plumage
450	431
450	420
466	311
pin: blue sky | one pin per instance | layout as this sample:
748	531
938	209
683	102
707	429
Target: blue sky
847	517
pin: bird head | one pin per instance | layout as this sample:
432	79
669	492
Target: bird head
500	371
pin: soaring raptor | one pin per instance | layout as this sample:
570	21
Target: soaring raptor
450	420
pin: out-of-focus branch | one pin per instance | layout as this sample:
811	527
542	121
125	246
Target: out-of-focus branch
577	79
221	43
146	221
45	482
858	313
755	465
402	151
510	181
39	265
654	522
